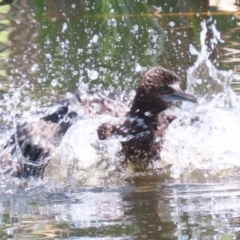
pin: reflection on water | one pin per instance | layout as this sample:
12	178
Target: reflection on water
193	211
202	212
49	48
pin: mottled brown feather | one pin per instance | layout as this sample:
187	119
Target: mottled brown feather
146	123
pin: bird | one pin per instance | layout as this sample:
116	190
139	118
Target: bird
29	149
139	119
143	128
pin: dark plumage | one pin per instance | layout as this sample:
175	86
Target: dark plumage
28	151
146	122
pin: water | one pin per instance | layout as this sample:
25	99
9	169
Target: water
49	49
207	134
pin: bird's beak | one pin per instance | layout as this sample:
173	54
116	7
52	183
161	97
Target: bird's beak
178	95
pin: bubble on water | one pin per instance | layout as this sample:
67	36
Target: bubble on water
92	74
73	5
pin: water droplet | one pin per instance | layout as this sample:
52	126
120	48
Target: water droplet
94	39
138	68
114	22
64	27
54	82
199	81
34	67
92	74
171	24
135	28
118	39
48	56
79	51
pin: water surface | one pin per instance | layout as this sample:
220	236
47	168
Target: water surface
49	48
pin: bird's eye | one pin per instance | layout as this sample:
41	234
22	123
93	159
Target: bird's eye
164	89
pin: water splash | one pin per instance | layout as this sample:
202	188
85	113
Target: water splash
90	161
206	136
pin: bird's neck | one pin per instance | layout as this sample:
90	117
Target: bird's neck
145	108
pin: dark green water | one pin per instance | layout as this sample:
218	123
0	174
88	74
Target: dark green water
48	48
